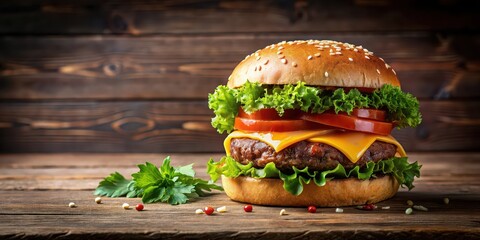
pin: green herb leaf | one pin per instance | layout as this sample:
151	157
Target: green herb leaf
403	108
403	171
116	185
153	184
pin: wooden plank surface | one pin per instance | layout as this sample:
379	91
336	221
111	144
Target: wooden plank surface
147	17
45	213
189	67
184	126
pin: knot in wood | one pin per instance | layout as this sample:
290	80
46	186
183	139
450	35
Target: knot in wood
133	125
112	69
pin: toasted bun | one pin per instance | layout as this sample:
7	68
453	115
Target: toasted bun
341	192
317	63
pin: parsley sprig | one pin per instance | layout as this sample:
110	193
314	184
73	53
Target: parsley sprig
174	185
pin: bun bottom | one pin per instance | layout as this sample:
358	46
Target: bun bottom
335	193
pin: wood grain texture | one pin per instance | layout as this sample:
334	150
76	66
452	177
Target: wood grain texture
190	67
174	126
146	17
45	213
108	127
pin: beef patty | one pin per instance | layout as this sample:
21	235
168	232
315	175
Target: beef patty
315	156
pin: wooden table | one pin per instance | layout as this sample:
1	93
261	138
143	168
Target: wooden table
36	189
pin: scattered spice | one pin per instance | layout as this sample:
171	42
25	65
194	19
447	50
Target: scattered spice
208	210
368	207
312	209
248	208
222	209
139	207
420	208
408	211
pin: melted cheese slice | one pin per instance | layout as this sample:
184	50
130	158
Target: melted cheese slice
352	144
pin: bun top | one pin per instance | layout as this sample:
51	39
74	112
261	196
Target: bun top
317	63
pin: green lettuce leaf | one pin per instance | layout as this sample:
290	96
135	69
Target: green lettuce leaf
403	108
293	182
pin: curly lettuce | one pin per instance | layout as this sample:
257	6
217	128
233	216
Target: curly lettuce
293	182
402	108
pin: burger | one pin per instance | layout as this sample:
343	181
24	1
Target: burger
309	123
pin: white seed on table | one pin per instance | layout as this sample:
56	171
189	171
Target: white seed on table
199	211
408	211
420	208
72	205
283	212
222	209
409	202
446	200
98	200
386	207
339	210
125	206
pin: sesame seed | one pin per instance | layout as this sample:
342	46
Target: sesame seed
279	52
281	56
280	48
394	72
350	59
446	200
331	54
339	210
331	50
255	68
316	54
338	53
294	64
378	71
266	62
409	202
326	74
387	66
258	58
283	60
367	57
309	57
259	68
356	50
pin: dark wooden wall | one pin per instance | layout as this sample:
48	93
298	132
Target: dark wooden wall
133	76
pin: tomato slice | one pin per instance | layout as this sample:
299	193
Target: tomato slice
270	114
374	114
350	123
275	125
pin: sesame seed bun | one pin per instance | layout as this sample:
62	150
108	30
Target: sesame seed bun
317	63
339	192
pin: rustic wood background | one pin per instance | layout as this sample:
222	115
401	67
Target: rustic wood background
133	76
